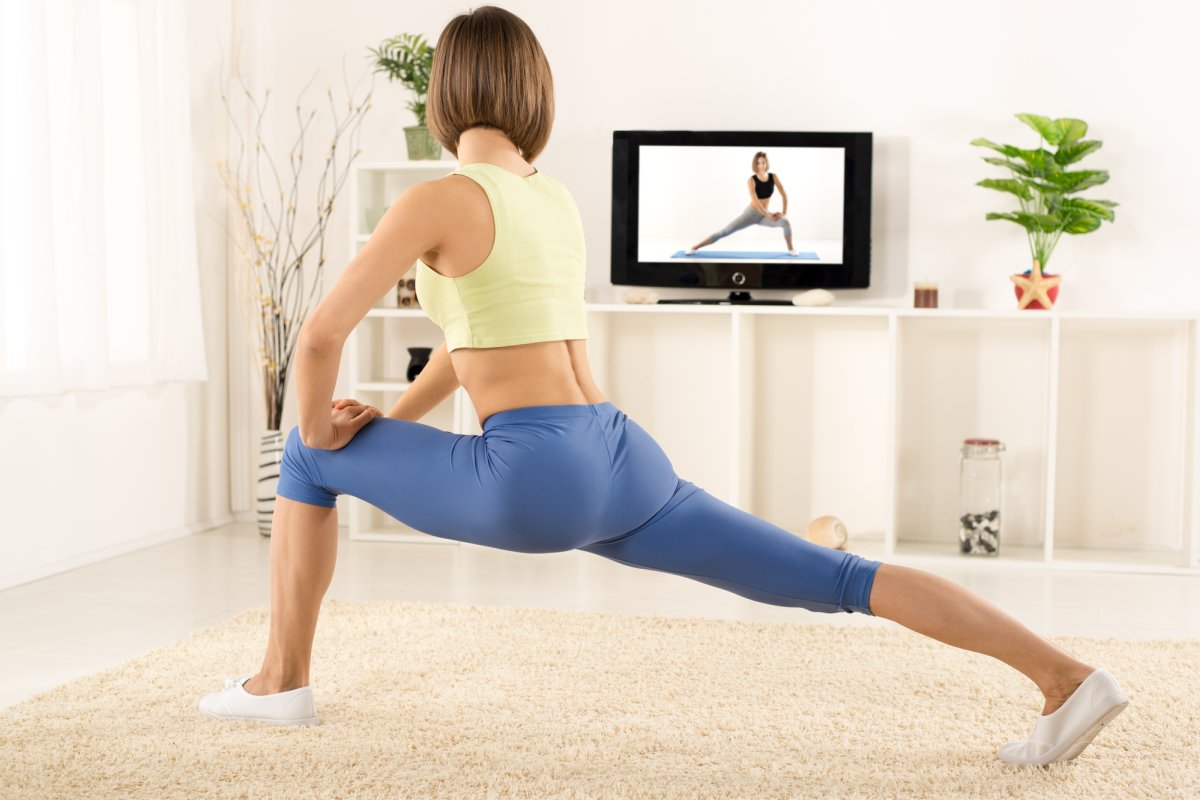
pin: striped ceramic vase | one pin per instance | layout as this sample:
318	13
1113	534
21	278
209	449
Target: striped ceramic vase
270	454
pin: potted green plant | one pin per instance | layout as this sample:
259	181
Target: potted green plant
1046	190
408	58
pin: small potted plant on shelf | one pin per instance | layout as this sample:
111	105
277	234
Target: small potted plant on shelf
408	58
1046	190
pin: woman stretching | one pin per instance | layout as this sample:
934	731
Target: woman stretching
761	185
500	258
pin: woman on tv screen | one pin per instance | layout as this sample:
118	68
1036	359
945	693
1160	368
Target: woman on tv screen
761	185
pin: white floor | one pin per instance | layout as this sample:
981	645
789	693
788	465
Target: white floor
81	621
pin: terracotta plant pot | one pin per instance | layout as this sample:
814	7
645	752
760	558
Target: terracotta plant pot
1031	281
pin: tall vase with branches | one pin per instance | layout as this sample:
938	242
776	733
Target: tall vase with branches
277	282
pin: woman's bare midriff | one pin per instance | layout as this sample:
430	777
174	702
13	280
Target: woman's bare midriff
536	374
499	378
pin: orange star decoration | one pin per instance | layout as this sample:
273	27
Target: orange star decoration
1036	286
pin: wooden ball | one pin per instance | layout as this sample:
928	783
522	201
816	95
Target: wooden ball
829	532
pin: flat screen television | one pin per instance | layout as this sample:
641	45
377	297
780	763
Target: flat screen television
688	211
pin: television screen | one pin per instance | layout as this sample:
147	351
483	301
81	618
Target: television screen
741	209
714	197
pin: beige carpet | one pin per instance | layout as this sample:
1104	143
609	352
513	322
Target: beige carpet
423	700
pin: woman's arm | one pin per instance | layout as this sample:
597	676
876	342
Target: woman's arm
433	385
412	226
316	373
754	199
782	194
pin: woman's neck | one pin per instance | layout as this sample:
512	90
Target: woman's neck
490	145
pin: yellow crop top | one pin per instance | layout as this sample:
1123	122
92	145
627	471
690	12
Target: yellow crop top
530	287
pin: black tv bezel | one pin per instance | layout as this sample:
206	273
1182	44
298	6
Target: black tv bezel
853	273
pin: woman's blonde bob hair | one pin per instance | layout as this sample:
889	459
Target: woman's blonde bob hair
489	71
754	161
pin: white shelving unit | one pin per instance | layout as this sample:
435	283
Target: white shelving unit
794	412
377	357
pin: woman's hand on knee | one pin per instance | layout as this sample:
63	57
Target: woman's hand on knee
348	402
347	418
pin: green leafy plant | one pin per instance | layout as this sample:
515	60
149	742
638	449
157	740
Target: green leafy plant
1046	187
407	58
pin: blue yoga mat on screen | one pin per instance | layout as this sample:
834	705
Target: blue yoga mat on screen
748	254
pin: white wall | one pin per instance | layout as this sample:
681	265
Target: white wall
86	476
927	77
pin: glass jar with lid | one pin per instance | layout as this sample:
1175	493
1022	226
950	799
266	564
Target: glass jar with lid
980	497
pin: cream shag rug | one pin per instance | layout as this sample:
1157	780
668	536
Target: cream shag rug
422	700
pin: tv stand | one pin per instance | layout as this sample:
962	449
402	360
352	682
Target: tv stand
734	299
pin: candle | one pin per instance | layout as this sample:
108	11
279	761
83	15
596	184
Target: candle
925	295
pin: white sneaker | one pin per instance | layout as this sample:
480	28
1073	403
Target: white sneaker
294	707
1064	733
793	253
691	251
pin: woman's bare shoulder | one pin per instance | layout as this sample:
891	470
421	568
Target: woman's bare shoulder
457	196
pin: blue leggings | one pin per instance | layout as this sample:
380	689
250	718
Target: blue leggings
551	478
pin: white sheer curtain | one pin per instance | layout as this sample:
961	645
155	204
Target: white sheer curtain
99	283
